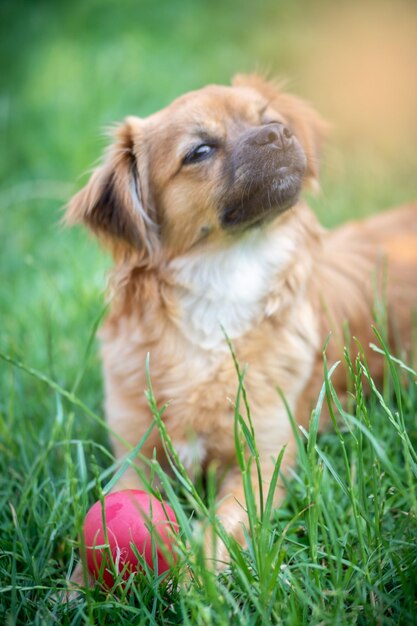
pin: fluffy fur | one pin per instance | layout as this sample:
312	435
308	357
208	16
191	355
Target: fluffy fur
199	204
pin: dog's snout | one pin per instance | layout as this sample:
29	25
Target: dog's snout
276	134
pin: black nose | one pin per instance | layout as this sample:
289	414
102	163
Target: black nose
277	134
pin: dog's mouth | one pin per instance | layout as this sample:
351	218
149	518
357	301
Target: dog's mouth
263	201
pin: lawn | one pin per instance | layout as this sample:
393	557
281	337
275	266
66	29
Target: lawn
343	547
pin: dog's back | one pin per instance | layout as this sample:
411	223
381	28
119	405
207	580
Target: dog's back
378	257
366	274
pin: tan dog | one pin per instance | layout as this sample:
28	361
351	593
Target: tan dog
200	206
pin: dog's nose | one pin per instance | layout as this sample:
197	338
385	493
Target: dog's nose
277	134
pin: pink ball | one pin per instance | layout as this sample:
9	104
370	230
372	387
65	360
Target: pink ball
132	517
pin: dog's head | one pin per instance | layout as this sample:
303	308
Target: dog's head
211	165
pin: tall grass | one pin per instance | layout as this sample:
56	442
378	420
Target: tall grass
342	549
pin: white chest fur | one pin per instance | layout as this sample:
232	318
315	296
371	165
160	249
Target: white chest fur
225	287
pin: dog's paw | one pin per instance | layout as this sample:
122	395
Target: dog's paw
80	580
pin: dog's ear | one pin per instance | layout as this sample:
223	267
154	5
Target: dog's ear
115	202
307	125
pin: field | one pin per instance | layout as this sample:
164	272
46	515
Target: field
343	547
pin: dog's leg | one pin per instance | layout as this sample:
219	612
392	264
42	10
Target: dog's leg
232	511
130	424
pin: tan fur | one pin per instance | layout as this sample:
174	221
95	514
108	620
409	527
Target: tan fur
323	280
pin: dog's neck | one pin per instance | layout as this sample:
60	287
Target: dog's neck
230	288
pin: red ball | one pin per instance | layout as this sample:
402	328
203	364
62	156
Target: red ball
132	517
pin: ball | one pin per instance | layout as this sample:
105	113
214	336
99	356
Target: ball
136	523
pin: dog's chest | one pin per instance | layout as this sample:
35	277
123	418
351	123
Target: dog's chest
223	290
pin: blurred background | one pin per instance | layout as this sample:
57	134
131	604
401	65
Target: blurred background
68	69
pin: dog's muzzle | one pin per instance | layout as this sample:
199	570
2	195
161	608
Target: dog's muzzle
264	177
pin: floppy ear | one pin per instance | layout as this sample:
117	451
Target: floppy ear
114	204
307	125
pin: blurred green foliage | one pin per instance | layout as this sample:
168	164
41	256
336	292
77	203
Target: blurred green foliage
71	68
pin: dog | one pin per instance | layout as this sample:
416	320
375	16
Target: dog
200	205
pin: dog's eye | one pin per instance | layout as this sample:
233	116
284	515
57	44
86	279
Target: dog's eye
201	152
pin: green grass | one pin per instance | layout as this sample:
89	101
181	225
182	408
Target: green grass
342	549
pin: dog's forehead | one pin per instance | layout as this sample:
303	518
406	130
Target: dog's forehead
211	105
